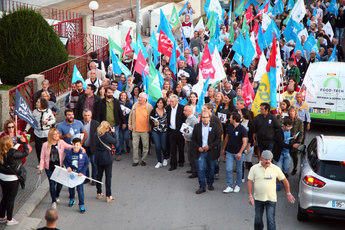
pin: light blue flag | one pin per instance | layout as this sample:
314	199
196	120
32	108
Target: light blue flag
153	41
140	46
298	46
201	100
238	58
161	79
278	8
315	11
263	5
119	67
230	11
251	2
220	46
250	51
173	60
308	22
310	44
211	44
269	32
183	102
185	43
333	55
261	40
291	4
332	7
217	31
183	8
145	82
291	31
77	76
164	25
206	6
239	45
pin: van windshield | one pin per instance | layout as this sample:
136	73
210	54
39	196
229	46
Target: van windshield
333	170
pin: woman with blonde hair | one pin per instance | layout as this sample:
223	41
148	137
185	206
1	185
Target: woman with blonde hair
10	159
53	154
105	137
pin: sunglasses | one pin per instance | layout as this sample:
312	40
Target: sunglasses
233	72
10	127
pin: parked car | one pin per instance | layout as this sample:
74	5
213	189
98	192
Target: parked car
322	178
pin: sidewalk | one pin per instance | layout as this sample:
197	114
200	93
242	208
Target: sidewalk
29	198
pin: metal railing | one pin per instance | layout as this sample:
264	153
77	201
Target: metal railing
60	76
47	12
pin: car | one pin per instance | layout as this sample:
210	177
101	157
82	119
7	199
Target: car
322	178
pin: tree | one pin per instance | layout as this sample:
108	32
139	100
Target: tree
28	45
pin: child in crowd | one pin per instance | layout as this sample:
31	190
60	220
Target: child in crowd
78	162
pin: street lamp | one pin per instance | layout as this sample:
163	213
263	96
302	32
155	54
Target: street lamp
93	6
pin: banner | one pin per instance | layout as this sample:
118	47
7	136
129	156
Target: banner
69	179
22	110
262	95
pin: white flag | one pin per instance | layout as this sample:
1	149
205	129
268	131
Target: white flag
216	7
200	25
298	12
218	66
261	68
308	81
279	65
69	179
266	21
328	30
197	88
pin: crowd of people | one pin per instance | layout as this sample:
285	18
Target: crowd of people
101	119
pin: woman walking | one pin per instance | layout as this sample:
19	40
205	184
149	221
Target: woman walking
52	154
105	137
10	159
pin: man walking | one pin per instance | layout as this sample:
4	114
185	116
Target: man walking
139	124
70	128
235	142
206	139
176	141
264	175
190	121
88	101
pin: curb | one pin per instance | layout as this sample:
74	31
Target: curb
23	215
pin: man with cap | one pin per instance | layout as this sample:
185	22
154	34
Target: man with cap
291	70
263	175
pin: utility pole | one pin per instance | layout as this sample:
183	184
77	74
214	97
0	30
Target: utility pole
137	19
131	8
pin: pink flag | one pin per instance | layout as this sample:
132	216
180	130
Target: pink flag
165	45
141	64
127	45
248	91
205	66
249	15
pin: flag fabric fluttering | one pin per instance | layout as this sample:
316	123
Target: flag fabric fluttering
248	91
141	64
262	94
119	67
291	4
173	60
23	111
239	9
250	51
183	8
115	48
298	12
154	89
278	8
205	66
201	100
140	46
271	69
127	45
231	33
310	44
333	55
333	8
199	25
77	76
298	46
165	45
211	24
174	18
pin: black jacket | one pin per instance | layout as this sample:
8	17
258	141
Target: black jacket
103	154
279	144
213	142
102	110
38	95
80	106
180	117
14	160
93	129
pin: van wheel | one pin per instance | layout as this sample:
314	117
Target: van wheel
301	215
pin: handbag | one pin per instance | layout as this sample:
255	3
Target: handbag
111	149
20	172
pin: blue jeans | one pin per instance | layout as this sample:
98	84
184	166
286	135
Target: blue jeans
117	145
124	138
339	34
160	140
54	192
80	189
230	158
93	164
284	162
270	214
205	163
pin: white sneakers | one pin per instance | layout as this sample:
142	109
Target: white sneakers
228	190
54	205
158	165
12	222
165	162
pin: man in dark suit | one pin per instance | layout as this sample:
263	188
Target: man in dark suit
206	139
90	125
87	101
175	118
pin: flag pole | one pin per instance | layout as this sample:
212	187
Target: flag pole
16	121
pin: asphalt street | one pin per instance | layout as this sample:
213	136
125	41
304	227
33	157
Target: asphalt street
149	198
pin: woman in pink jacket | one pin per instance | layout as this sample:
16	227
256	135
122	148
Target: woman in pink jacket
53	154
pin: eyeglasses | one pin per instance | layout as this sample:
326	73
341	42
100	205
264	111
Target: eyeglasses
10	127
233	72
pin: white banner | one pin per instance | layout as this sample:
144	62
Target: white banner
69	179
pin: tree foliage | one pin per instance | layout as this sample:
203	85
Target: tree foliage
28	45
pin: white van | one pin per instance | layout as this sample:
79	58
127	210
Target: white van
325	94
